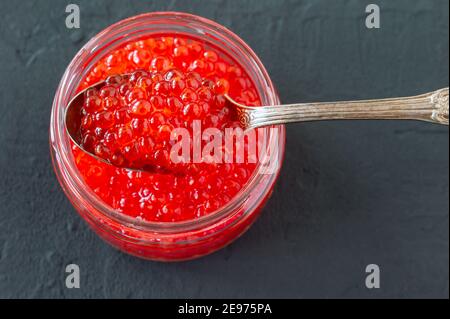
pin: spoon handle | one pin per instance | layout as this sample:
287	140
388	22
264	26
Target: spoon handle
429	107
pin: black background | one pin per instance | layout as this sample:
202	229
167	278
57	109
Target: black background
350	193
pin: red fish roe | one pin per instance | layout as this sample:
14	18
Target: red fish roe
137	115
174	80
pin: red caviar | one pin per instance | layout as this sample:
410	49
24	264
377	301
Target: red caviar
173	81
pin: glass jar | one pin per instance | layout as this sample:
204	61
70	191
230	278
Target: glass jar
155	240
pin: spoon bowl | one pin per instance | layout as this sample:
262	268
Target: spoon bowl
73	118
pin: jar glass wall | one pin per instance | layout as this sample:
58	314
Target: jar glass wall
157	240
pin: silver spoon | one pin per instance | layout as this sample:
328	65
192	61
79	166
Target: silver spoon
429	107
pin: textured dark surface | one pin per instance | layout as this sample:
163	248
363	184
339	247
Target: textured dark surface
350	194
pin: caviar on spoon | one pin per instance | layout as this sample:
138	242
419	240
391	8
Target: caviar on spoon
127	120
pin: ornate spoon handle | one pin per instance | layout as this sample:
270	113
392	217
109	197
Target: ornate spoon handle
429	107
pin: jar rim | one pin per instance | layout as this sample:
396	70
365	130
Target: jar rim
67	172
